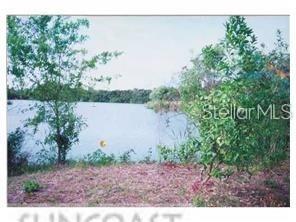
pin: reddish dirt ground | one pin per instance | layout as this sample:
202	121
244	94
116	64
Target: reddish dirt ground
150	185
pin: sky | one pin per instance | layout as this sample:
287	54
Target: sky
155	48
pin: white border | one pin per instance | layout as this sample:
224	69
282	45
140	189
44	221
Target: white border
97	7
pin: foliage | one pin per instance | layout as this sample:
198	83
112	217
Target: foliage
222	173
166	106
198	202
148	158
187	152
31	186
44	56
45	157
230	133
164	98
16	159
90	95
126	156
279	58
116	96
19	94
165	93
167	154
99	158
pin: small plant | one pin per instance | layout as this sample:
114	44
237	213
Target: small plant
31	186
187	152
222	173
99	158
148	158
126	156
198	202
167	154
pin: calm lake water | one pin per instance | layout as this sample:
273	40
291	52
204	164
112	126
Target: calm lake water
122	126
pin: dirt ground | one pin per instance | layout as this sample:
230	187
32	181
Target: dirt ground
150	185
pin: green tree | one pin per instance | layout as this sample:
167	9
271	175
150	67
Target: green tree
243	80
236	54
45	55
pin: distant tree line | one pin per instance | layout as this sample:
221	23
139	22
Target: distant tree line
91	95
116	96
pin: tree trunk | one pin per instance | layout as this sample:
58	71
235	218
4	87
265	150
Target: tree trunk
59	150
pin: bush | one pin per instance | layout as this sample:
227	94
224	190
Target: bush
187	152
243	142
17	160
167	154
31	186
126	156
148	158
99	158
226	93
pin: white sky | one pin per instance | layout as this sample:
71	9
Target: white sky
157	47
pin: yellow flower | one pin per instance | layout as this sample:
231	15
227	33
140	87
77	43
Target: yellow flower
103	143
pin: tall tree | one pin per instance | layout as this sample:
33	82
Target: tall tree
44	54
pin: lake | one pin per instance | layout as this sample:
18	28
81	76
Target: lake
122	126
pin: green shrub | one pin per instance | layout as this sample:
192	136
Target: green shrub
198	202
166	154
255	140
221	173
186	152
222	94
31	186
99	158
126	156
17	160
148	159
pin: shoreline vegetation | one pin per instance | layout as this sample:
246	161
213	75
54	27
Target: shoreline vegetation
136	96
164	106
